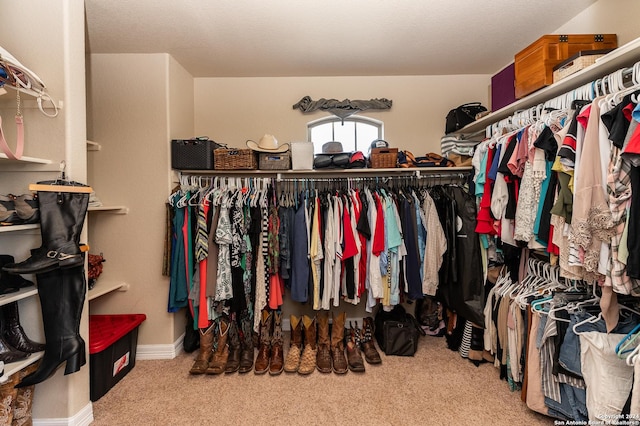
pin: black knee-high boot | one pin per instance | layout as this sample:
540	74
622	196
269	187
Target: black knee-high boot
62	293
61	219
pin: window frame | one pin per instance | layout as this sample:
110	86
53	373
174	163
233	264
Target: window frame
352	118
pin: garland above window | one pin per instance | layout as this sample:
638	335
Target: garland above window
342	109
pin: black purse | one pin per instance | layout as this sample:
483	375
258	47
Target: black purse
459	117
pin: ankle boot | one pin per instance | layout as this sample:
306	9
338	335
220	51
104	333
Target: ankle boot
61	219
276	362
371	354
339	361
233	362
205	353
308	358
354	357
61	294
264	350
218	362
295	349
8	396
14	334
10	283
247	350
323	357
27	208
8	214
24	400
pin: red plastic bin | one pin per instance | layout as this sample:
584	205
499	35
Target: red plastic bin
112	347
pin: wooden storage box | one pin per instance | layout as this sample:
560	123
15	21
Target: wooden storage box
534	65
279	161
235	159
384	158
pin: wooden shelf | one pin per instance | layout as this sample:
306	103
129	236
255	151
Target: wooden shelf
14	367
24	159
104	287
418	171
93	146
23	293
622	57
109	209
15	228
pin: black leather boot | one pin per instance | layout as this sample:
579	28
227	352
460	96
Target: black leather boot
14	334
61	219
61	294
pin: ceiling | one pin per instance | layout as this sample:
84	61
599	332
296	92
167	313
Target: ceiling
270	38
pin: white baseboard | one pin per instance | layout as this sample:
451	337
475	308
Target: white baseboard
83	417
169	351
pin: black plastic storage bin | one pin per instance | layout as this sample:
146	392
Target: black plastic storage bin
112	347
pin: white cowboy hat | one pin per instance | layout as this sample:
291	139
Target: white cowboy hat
267	143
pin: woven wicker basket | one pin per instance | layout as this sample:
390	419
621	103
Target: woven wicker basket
235	159
279	161
384	158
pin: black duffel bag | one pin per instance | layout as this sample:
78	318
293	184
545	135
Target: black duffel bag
459	117
397	332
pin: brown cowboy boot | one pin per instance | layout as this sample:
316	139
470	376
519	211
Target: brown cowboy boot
371	354
323	357
8	394
218	363
233	362
354	357
308	359
247	351
201	363
295	349
22	415
264	350
276	363
337	344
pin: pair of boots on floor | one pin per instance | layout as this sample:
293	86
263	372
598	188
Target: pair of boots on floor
16	404
324	346
225	348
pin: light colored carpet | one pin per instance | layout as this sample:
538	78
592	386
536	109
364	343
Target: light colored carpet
436	387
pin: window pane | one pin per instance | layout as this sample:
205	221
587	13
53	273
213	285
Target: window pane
355	133
319	135
366	134
345	133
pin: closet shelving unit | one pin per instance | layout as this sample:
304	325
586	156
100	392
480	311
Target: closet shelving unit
23	293
105	286
624	56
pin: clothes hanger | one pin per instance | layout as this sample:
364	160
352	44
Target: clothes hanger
61	184
633	357
628	343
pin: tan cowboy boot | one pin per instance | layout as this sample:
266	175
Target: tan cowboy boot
218	363
201	363
295	349
308	359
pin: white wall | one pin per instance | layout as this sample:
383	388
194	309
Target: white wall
132	119
607	17
232	110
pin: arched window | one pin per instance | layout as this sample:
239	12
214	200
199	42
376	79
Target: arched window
354	132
